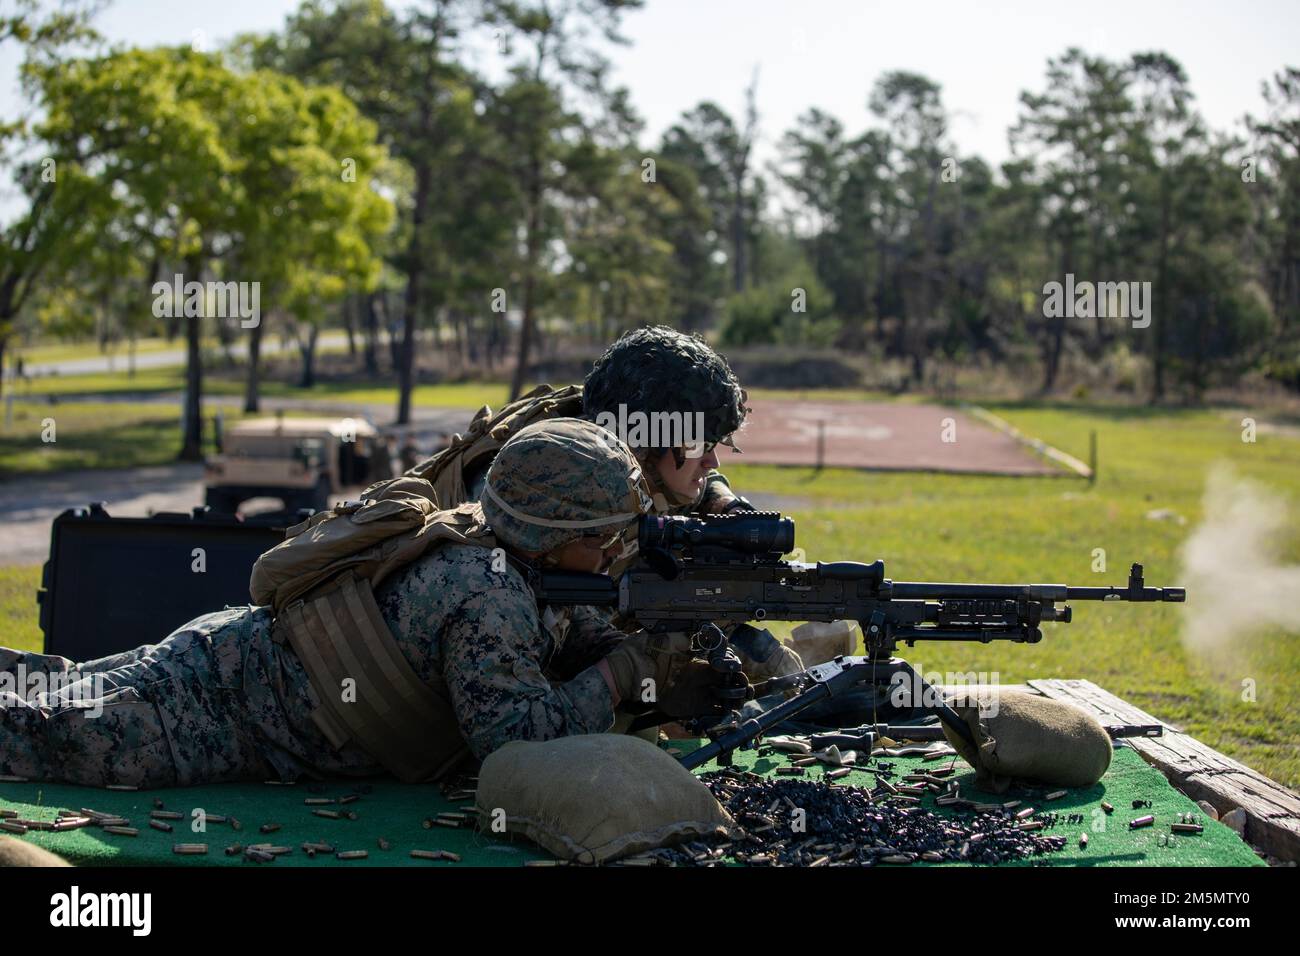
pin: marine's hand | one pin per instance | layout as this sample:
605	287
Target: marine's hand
643	665
693	691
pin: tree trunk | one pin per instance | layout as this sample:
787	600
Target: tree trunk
350	305
371	337
394	345
252	385
738	242
308	352
1056	334
530	272
192	447
1159	305
411	310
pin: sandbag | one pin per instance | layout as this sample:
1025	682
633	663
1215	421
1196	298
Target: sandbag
15	852
1033	738
595	797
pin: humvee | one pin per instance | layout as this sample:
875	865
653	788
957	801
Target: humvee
301	461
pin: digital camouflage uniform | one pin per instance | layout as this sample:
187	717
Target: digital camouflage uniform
219	700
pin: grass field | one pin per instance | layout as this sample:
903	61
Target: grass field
88	435
941	527
469	395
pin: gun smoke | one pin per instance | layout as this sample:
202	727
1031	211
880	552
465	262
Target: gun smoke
1237	584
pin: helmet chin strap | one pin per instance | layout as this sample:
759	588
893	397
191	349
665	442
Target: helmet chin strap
658	487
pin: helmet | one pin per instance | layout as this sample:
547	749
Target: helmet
659	370
559	479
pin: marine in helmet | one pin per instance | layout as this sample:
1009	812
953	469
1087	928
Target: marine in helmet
227	698
672	399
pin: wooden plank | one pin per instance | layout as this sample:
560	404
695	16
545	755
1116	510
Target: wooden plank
1200	771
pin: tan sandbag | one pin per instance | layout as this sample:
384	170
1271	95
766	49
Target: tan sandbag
14	852
1033	738
817	642
595	797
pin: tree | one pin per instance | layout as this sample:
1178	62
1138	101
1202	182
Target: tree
1164	142
1075	133
29	243
538	128
200	186
708	141
401	72
1273	174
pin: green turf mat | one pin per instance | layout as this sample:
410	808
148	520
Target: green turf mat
396	812
393	811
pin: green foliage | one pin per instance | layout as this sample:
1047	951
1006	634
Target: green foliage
794	311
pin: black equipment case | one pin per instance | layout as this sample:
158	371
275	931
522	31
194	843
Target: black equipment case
112	584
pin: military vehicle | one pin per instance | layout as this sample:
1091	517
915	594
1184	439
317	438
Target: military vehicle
301	461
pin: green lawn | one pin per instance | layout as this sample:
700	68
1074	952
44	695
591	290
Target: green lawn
88	435
946	527
19	615
93	435
467	395
942	527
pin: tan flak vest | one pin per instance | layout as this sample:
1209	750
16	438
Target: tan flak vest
487	432
320	583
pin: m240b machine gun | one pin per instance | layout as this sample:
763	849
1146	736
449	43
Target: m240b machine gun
696	573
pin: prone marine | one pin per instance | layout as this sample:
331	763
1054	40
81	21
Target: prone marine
325	680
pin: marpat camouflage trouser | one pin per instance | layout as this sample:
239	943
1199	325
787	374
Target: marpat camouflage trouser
216	701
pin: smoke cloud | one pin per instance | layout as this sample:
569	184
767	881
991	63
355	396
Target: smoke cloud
1236	582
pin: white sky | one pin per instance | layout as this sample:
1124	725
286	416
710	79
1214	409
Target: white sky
827	53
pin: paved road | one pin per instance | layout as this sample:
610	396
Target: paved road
118	362
28	505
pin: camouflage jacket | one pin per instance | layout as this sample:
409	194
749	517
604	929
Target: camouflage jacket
513	672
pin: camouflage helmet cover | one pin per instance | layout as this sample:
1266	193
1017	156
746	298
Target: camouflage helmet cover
560	479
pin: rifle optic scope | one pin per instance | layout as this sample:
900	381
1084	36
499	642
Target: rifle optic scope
750	532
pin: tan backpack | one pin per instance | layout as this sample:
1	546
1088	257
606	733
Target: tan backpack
320	583
487	432
396	522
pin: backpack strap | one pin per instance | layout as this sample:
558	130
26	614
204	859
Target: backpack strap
406	724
